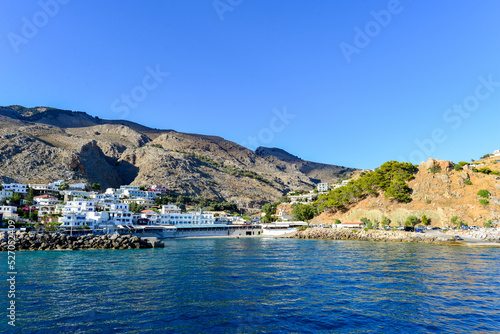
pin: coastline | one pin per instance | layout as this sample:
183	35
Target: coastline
390	236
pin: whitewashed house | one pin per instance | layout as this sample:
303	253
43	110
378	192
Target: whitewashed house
16	187
46	200
5	193
322	187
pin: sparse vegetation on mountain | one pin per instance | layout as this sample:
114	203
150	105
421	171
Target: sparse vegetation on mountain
435	169
483	193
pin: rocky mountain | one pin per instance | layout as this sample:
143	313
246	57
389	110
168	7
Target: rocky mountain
439	195
46	144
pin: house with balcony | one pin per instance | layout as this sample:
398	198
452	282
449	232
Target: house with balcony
5	193
46	200
322	187
9	212
16	187
144	202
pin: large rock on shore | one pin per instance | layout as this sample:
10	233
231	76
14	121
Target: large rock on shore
53	241
370	235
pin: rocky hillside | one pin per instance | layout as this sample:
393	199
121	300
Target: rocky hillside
439	196
46	144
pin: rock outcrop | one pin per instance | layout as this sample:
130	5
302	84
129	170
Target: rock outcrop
439	196
370	235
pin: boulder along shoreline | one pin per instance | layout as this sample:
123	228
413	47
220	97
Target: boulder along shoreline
371	235
56	241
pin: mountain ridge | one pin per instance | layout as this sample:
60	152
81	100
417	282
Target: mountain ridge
43	144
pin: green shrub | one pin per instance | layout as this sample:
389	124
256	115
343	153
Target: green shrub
426	221
484	193
458	167
411	221
337	221
463	163
484	201
487	224
428	201
435	169
468	182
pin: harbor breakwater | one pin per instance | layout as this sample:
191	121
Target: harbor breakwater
370	235
56	241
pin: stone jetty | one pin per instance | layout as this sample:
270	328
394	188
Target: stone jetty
370	235
57	241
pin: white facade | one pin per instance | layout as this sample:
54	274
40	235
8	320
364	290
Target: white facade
322	187
301	198
77	206
7	209
120	214
9	212
170	208
78	193
189	218
146	203
46	200
16	187
80	186
159	189
5	193
57	183
44	187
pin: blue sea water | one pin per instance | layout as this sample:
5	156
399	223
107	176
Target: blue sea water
259	286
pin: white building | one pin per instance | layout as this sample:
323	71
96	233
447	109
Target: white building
9	212
5	193
301	198
76	214
174	217
16	187
70	194
77	206
322	187
144	202
46	200
134	192
158	189
119	214
44	188
170	208
57	183
77	186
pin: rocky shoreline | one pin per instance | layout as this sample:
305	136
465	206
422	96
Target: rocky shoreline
370	235
57	241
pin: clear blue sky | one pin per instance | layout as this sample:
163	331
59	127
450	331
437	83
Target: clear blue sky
364	80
